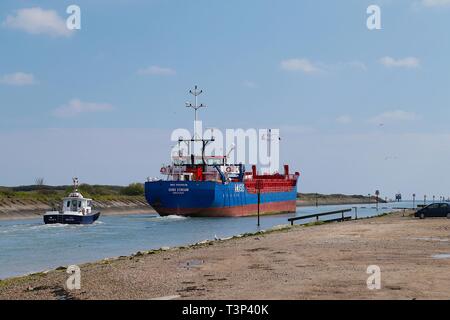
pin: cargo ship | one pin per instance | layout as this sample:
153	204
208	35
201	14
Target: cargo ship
209	186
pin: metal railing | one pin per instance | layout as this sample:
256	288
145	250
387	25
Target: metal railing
317	215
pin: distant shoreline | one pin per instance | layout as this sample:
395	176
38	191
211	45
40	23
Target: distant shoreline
311	199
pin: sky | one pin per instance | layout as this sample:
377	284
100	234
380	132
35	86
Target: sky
358	109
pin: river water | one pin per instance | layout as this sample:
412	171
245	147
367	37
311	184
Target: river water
30	246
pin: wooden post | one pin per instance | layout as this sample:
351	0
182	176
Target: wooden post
259	202
258	188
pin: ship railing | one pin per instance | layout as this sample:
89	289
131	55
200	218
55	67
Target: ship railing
318	215
270	185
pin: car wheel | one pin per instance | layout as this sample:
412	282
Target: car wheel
448	215
422	216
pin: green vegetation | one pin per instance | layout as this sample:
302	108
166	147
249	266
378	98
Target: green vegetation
22	279
56	193
134	189
333	196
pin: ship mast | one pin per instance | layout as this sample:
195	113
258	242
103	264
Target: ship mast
196	92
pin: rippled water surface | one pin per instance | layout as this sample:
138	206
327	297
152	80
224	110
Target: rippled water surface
29	245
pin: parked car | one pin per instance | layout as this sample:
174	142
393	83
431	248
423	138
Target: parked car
434	210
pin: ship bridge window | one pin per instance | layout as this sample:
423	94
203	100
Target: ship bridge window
74	205
68	204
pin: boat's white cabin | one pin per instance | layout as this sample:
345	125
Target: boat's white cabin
75	202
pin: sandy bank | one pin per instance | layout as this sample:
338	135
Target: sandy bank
327	261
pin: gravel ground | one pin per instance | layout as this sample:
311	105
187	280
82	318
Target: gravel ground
326	261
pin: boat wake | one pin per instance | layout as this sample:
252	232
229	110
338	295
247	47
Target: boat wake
166	218
66	226
174	217
17	228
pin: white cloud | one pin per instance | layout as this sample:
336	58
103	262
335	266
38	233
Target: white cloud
18	79
344	119
38	21
409	62
76	107
250	84
302	65
308	67
157	71
436	3
394	116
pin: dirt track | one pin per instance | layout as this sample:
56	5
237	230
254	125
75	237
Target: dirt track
327	261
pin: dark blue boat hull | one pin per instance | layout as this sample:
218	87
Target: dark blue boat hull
70	219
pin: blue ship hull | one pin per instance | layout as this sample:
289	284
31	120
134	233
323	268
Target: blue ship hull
215	199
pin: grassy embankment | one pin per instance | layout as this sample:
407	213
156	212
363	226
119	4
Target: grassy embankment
28	201
52	194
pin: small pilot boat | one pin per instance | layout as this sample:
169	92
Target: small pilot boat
75	210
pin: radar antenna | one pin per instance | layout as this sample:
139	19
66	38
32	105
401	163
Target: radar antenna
75	184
